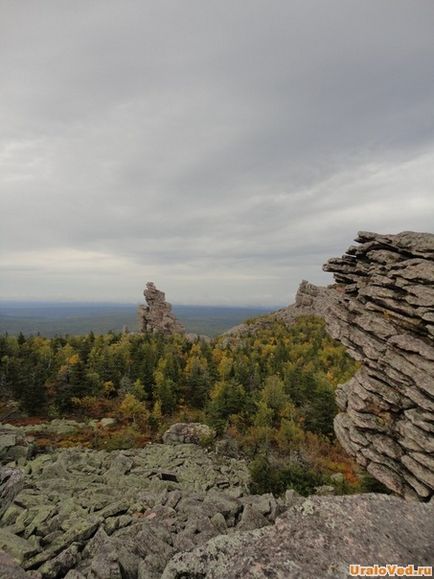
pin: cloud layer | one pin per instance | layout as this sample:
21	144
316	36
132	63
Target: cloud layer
223	149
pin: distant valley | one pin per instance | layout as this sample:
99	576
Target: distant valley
54	318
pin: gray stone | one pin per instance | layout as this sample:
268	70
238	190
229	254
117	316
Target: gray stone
74	574
107	422
219	522
187	432
11	483
325	490
9	569
20	549
14	445
62	563
59	518
157	316
319	541
291	498
251	519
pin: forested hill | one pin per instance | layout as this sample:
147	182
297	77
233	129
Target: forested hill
270	391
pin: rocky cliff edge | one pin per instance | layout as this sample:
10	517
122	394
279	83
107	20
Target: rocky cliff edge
382	309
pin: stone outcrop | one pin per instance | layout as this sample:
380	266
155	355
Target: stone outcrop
318	537
382	310
157	316
306	305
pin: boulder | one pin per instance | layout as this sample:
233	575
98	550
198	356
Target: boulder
17	547
107	422
11	483
14	445
188	432
320	537
9	569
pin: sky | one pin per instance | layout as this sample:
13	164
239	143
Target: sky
223	149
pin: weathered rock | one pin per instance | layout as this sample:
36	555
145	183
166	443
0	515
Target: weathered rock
157	316
381	309
320	537
9	569
292	498
62	563
74	574
58	426
20	549
188	432
11	483
325	490
251	519
14	445
107	422
120	514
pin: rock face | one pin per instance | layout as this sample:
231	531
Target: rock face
318	537
382	310
157	316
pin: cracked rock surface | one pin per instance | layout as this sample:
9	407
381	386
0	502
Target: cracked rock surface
318	537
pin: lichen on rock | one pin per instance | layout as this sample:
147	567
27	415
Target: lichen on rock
319	537
188	432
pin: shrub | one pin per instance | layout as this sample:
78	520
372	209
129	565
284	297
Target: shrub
266	478
121	440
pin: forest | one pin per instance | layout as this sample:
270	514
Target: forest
268	395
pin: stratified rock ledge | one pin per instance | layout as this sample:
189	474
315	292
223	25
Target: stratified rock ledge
382	310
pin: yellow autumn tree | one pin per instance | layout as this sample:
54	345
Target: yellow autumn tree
133	410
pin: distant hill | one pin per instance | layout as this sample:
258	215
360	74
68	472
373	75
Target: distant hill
51	318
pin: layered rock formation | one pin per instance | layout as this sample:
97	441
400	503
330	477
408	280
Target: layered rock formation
157	316
382	310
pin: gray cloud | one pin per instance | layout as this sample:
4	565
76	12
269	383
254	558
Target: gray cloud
223	149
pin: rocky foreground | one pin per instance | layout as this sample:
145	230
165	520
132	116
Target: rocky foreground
179	511
123	513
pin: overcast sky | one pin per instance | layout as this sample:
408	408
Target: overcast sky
223	149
